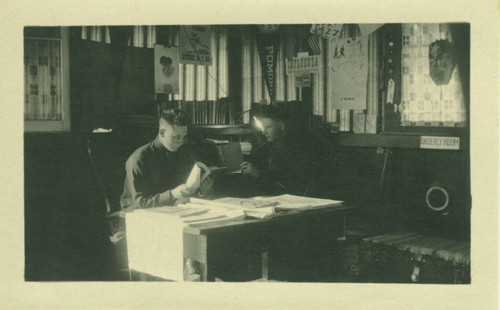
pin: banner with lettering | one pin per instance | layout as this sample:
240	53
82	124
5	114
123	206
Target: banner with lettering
268	44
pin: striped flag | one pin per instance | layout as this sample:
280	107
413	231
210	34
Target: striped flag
291	44
302	37
313	44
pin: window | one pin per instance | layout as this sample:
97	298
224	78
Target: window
429	64
46	79
423	102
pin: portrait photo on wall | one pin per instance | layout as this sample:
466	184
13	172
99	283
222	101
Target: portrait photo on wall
166	69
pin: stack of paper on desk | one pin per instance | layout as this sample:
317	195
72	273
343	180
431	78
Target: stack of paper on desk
192	213
231	203
265	207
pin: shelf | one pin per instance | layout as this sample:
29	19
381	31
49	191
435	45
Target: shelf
221	130
384	140
218	130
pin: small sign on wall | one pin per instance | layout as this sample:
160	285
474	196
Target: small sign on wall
440	143
303	79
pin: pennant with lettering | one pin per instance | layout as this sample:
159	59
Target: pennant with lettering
268	44
367	29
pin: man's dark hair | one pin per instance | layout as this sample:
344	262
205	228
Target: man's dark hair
175	117
269	111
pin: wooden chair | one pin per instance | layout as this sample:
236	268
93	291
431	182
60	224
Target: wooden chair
107	154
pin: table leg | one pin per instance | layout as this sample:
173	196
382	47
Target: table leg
265	266
195	249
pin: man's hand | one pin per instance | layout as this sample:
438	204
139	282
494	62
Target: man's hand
249	168
180	191
206	186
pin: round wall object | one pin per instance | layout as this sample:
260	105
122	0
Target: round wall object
437	198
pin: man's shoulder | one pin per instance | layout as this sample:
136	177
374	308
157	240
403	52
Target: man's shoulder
140	153
260	151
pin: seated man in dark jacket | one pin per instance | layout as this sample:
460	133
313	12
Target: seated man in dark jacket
157	171
286	162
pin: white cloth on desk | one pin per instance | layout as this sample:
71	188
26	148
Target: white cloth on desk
155	244
155	236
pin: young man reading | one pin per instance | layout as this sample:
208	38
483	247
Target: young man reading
284	164
157	171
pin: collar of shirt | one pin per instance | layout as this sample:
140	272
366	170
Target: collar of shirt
156	143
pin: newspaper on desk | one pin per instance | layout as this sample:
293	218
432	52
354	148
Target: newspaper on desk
266	207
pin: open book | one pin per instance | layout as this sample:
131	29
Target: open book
199	173
231	156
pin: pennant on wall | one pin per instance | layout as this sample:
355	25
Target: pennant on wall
366	29
268	45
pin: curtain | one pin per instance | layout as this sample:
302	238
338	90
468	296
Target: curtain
42	79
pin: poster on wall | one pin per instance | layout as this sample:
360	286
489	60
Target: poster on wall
194	45
348	66
166	69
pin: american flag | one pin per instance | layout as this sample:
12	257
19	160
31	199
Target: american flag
300	35
313	44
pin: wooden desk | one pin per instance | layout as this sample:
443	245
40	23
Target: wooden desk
312	234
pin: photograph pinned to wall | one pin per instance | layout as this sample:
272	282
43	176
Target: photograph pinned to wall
166	69
194	45
349	71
